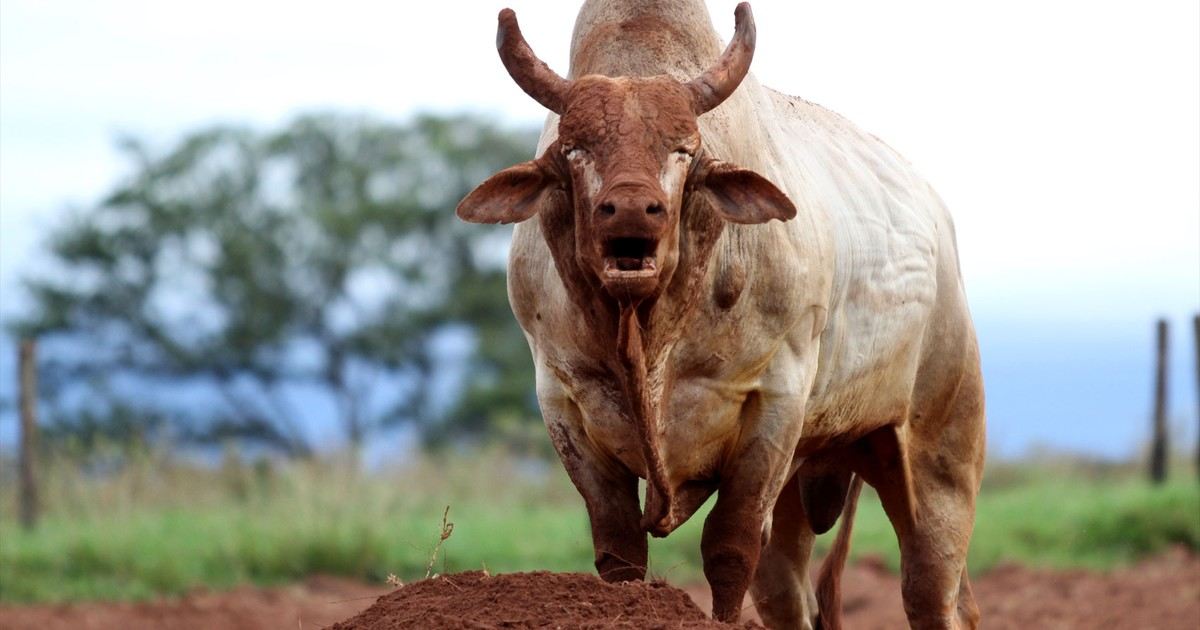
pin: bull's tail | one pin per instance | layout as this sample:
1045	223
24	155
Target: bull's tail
829	581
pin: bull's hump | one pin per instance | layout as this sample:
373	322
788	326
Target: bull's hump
643	38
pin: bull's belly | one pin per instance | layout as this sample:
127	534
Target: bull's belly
857	402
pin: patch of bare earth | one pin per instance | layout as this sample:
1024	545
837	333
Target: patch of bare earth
313	603
1160	593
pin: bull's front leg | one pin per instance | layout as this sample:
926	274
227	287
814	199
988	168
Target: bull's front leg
737	528
610	493
618	540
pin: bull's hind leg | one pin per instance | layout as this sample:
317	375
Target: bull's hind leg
933	546
928	491
782	591
968	610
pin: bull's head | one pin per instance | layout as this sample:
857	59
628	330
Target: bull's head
628	158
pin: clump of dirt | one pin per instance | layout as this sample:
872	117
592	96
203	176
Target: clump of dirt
532	600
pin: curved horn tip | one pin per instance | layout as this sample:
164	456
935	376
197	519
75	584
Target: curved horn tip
743	22
720	80
530	73
507	20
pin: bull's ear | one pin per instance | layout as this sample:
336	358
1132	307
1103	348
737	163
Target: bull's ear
743	196
510	196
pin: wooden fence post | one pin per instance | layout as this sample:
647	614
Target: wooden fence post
27	362
1158	448
1196	339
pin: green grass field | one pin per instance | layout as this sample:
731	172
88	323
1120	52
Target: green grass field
159	527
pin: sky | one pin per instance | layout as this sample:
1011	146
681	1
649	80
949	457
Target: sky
1064	135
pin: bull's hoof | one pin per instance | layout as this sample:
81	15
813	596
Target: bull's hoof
729	577
613	569
727	612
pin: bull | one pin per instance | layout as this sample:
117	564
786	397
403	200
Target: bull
729	290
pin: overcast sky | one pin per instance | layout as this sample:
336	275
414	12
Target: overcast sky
1063	134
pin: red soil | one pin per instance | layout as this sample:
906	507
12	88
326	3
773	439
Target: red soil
314	603
532	600
1160	593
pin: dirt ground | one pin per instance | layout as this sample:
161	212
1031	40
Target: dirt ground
315	603
1162	593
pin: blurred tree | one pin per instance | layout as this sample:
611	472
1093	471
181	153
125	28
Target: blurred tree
240	282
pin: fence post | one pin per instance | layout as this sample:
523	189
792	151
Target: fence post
1196	339
1158	448
27	362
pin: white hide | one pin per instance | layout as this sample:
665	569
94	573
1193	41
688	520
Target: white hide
831	326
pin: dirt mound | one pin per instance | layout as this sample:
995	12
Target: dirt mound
531	600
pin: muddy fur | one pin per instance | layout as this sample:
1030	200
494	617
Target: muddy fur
730	290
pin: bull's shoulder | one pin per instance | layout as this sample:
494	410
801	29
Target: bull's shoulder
535	290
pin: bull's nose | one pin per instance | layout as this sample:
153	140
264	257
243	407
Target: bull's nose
631	208
609	208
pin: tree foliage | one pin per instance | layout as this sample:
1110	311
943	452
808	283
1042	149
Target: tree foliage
269	286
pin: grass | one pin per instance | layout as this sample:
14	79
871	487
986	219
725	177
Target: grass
159	527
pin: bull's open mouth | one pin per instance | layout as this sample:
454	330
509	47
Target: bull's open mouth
630	258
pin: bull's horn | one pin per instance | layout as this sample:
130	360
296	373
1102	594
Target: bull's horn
718	82
531	73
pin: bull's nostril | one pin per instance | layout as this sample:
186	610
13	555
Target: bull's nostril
608	208
654	209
